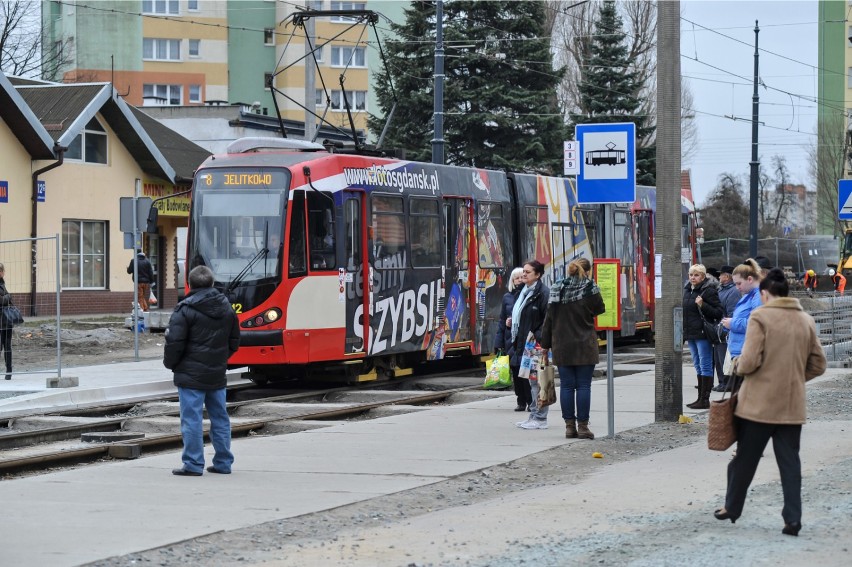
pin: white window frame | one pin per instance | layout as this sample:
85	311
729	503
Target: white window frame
194	93
154	45
95	258
161	7
346	5
161	91
196	43
268	36
82	140
192	5
318	51
355	98
340	55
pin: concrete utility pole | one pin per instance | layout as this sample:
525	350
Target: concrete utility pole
668	317
755	165
438	139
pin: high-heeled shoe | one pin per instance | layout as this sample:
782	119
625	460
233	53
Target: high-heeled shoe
722	514
792	529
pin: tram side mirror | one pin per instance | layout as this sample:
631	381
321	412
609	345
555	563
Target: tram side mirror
153	218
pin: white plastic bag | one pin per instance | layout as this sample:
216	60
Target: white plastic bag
152	299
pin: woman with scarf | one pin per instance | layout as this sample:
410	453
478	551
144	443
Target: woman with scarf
503	340
528	317
569	330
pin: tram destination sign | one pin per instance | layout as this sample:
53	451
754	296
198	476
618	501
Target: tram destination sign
607	163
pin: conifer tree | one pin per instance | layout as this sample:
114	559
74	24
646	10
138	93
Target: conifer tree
500	101
610	89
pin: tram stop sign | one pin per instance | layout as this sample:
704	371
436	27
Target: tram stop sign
607	163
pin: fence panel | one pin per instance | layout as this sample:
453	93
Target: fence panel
31	275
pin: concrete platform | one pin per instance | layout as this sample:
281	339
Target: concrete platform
99	511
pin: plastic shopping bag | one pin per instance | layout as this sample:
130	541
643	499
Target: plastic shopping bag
498	374
527	358
152	299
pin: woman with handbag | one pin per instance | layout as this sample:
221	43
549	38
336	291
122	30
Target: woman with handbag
5	329
746	278
503	339
700	303
569	331
781	353
528	317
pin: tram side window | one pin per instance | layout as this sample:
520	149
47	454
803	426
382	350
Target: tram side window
388	230
352	218
489	226
425	233
297	235
320	229
537	238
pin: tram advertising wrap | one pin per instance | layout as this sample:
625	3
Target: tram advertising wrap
342	263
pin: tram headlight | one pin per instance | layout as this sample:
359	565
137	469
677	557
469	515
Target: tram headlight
265	318
272	315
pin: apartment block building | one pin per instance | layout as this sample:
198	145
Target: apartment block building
218	52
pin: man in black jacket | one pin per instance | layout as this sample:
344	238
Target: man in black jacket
145	278
202	335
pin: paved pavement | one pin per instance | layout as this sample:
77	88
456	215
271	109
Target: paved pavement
95	512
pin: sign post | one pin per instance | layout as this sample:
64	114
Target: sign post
608	176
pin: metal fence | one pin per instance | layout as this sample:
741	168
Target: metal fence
799	254
32	276
833	316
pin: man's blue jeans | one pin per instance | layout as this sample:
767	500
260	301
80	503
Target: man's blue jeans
576	381
192	404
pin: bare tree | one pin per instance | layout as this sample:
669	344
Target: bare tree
783	200
573	28
21	48
828	155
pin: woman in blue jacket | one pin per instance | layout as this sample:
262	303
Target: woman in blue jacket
747	278
503	340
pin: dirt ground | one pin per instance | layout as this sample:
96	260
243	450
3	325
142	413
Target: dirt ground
84	342
343	530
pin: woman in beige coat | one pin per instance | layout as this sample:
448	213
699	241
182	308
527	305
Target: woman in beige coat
781	353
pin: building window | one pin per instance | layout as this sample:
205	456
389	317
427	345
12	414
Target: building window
83	254
318	53
160	6
194	93
161	95
161	49
194	47
192	5
268	36
335	5
90	146
352	56
267	81
357	100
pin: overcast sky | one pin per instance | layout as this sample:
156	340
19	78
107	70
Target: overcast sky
721	82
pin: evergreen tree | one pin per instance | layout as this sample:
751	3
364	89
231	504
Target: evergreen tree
610	89
500	100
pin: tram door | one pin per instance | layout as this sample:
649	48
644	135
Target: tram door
643	229
459	271
355	276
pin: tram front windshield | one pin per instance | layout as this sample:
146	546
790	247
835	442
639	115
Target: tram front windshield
238	234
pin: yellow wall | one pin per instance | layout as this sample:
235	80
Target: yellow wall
15	215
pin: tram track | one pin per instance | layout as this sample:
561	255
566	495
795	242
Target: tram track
54	440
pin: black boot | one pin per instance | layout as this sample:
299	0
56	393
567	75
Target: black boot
705	386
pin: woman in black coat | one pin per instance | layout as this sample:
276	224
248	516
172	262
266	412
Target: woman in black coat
527	316
700	297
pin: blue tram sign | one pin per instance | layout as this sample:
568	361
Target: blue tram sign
844	199
608	164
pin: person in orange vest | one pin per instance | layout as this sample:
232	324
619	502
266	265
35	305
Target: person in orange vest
810	282
839	281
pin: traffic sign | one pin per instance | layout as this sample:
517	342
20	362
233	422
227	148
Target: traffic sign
844	199
608	164
571	151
